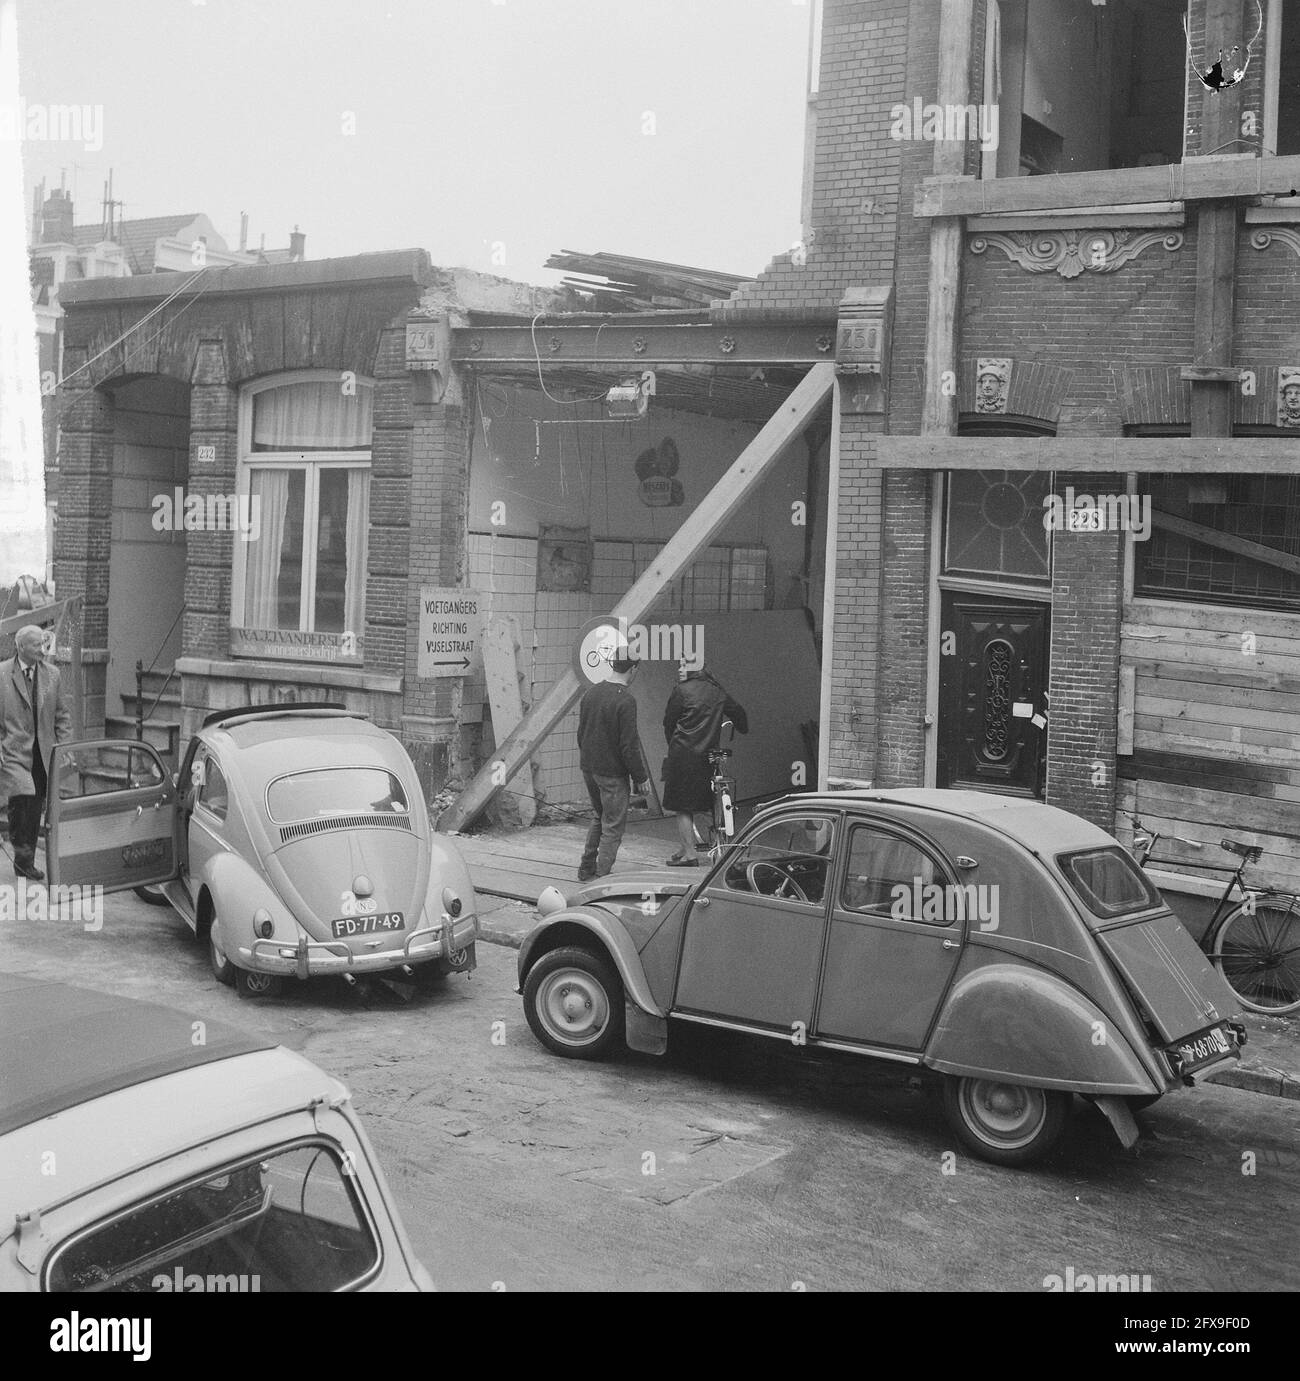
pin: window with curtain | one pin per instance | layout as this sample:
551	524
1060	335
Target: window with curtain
305	464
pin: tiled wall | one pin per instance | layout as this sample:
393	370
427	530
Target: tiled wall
504	569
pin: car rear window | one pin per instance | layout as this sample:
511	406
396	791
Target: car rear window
1108	882
289	1220
335	791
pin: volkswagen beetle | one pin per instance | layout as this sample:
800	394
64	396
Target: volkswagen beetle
268	1183
294	841
1012	948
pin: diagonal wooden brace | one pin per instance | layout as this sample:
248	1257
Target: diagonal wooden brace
713	513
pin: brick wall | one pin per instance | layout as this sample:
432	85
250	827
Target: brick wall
855	197
209	556
1087	595
431	537
82	536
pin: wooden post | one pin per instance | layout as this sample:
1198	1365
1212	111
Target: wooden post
939	412
714	512
1216	227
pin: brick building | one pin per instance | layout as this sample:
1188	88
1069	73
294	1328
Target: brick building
1096	298
406	435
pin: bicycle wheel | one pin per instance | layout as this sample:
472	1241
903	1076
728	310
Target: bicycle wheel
1258	954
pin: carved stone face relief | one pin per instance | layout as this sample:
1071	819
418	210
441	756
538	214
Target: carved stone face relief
992	380
1288	397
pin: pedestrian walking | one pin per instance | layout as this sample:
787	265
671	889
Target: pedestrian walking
693	726
34	716
611	754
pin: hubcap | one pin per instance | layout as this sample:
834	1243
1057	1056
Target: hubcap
1008	1115
573	1006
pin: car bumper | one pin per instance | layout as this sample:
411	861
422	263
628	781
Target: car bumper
314	958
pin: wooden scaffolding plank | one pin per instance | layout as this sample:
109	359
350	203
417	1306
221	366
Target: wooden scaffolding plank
502	674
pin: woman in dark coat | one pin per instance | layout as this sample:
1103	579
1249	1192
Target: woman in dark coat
692	726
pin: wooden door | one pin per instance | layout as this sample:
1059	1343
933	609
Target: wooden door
992	695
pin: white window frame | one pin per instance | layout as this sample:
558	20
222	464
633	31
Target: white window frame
311	463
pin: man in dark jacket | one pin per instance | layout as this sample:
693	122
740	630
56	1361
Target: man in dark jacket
692	726
611	753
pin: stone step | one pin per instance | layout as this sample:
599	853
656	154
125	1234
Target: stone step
167	706
155	681
162	734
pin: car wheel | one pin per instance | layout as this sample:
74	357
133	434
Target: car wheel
250	984
152	894
573	1000
1142	1101
1008	1124
222	969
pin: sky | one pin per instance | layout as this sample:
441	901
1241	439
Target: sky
490	133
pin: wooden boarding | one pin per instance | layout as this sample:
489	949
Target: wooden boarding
1195	179
1279	721
1238	697
1197	671
1232	815
1190	728
1157	616
1268	639
695	533
501	673
1225	664
1218	772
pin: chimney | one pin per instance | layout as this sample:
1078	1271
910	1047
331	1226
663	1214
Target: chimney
243	231
56	218
297	246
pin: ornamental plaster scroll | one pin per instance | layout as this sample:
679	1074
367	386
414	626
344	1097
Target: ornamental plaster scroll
1073	252
1283	234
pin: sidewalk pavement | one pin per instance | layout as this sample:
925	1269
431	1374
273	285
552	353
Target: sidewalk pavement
510	868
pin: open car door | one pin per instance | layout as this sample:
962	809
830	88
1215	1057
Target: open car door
112	816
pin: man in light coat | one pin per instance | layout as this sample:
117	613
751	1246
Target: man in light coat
34	716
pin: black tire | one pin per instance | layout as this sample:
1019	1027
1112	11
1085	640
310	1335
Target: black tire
1143	1101
222	969
257	985
152	894
1258	954
1007	1124
573	1000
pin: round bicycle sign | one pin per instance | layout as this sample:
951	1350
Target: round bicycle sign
599	643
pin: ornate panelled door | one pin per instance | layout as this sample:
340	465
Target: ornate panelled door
993	680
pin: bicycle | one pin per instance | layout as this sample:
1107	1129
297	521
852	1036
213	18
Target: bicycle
722	823
1255	944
